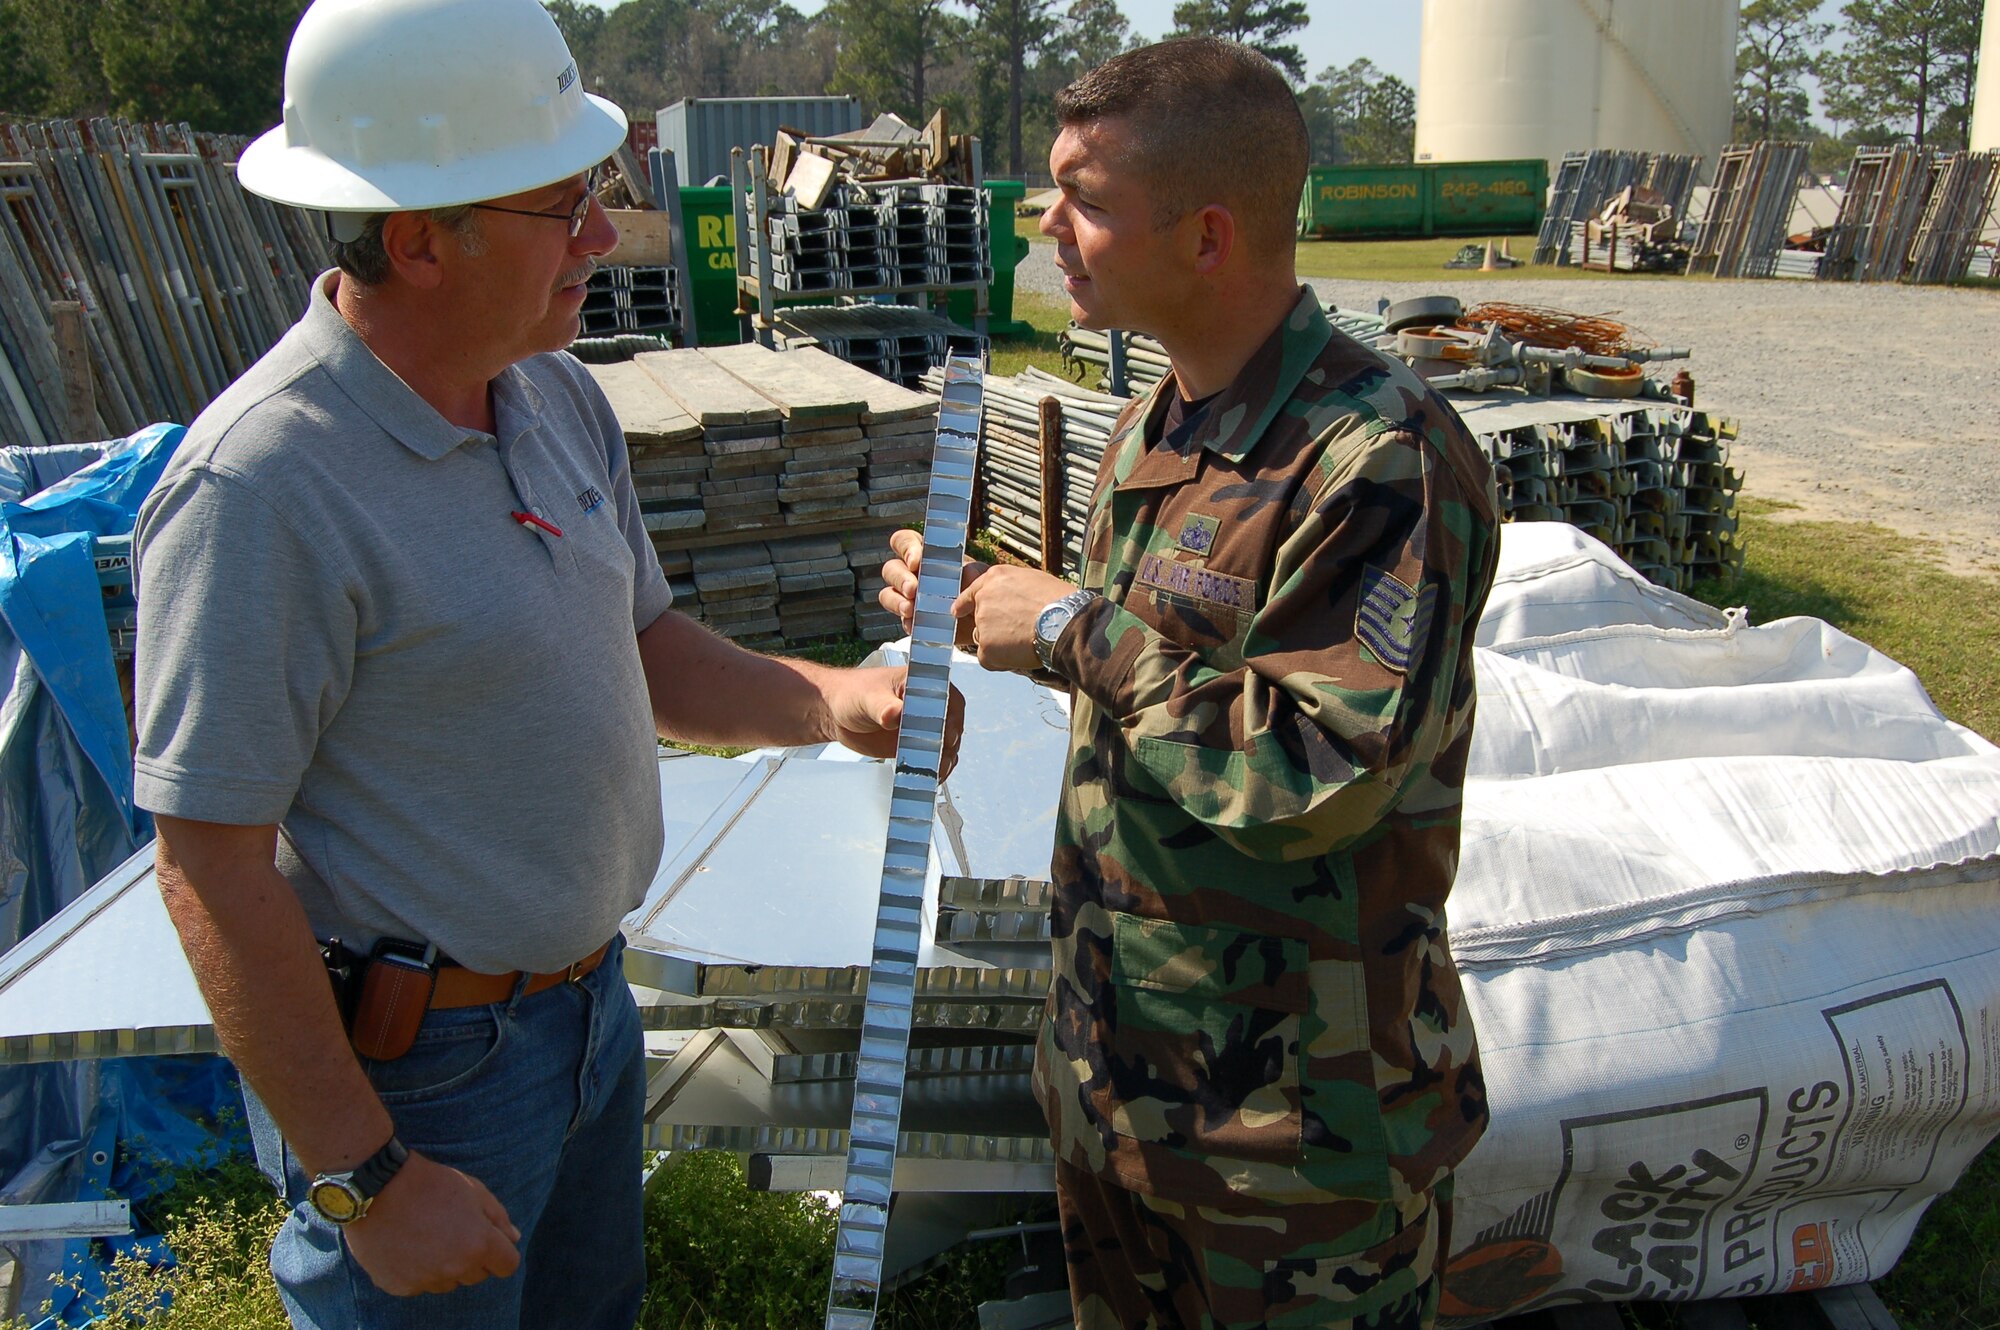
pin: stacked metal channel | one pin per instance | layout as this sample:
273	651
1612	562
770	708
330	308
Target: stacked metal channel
185	279
1651	480
767	478
623	299
1742	233
900	343
880	237
1586	181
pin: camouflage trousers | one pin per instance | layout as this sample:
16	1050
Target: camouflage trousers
1139	1262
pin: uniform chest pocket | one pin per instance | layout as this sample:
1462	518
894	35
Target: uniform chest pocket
1205	1038
1194	605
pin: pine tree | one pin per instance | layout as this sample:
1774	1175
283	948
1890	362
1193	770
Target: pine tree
1777	48
1262	24
1914	61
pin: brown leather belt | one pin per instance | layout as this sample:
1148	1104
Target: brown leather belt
460	987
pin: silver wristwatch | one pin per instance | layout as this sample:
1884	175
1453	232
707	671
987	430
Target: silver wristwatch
1055	617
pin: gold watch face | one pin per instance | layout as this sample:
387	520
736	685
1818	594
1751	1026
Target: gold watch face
340	1204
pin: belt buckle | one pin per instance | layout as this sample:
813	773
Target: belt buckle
570	975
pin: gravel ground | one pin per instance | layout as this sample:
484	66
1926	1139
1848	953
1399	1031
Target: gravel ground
1856	402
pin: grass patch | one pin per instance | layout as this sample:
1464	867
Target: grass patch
1400	260
1011	355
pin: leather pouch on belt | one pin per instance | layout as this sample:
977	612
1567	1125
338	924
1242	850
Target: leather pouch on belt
395	994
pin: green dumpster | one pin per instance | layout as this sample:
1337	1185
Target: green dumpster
1004	250
710	228
1487	198
1424	199
1364	201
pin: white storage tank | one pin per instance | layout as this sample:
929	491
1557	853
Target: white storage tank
1986	96
1538	78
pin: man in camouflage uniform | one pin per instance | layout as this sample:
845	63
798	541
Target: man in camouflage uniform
1257	1068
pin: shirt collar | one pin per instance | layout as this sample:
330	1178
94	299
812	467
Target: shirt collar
393	404
1244	410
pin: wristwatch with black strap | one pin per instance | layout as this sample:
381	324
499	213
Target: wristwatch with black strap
342	1198
1053	618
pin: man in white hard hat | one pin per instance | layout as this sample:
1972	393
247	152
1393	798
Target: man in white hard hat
404	648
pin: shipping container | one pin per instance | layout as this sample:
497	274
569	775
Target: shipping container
700	131
1425	199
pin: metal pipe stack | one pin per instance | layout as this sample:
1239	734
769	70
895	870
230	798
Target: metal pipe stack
1145	359
1649	478
1010	458
185	279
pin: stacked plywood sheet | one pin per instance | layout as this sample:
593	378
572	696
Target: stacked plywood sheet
767	478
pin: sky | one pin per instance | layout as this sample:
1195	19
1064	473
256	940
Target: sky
1341	32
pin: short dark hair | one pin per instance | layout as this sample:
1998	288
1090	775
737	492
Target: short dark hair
1212	121
367	262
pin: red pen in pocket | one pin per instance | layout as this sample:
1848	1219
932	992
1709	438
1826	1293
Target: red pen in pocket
529	519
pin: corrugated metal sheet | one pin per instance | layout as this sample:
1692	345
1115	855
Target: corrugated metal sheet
700	131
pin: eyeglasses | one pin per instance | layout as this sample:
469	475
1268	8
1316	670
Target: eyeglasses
576	216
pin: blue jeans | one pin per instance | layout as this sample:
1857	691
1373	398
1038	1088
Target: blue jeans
541	1099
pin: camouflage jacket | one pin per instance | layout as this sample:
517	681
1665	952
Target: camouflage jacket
1272	714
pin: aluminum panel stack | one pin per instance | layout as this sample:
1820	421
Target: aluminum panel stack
1910	214
1586	181
879	237
767	478
861	1240
1749	209
759	1019
184	278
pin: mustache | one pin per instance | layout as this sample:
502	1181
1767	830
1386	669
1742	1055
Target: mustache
579	274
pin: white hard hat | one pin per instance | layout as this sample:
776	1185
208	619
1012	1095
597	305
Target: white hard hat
393	105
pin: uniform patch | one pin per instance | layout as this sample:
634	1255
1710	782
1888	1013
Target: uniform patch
1198	533
1388	617
1160	573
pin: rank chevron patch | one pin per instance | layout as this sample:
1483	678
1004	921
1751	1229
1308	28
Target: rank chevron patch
1390	618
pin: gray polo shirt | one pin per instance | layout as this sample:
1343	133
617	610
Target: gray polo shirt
344	630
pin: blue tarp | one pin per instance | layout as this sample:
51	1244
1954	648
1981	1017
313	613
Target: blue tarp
67	1130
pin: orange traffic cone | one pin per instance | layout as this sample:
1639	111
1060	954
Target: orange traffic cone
1489	264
